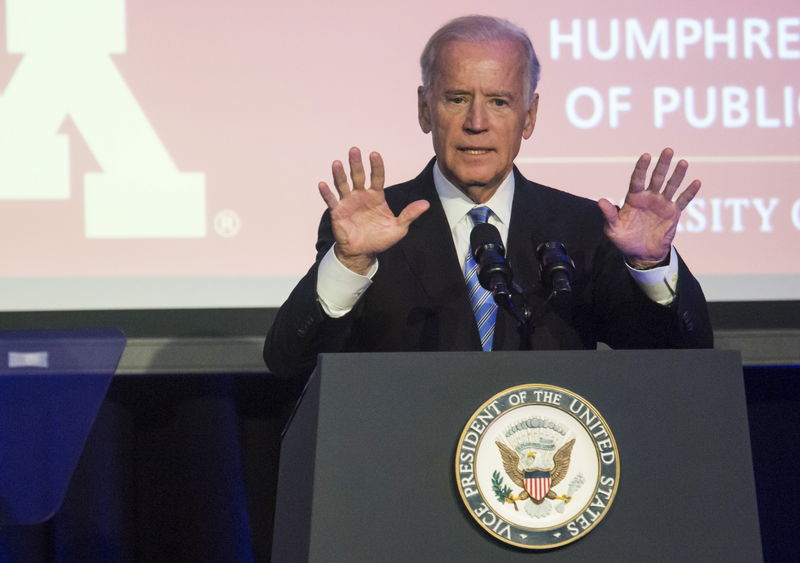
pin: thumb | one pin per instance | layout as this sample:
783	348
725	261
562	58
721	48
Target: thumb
610	212
413	210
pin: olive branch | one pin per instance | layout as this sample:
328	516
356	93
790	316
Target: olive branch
501	490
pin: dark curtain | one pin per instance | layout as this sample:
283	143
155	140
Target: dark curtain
773	408
176	468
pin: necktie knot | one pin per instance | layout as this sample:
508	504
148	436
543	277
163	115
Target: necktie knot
480	214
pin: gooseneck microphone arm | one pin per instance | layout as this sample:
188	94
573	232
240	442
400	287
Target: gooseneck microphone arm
495	275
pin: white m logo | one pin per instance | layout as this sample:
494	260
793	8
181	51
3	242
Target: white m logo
67	71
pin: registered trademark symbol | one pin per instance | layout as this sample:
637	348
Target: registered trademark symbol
227	223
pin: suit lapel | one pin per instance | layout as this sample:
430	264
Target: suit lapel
428	247
527	219
431	256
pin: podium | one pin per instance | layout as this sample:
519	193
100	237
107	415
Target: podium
367	460
52	384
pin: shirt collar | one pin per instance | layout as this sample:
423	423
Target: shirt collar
456	204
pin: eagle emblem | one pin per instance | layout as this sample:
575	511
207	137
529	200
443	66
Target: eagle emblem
536	455
537	466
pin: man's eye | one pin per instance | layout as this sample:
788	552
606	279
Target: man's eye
499	102
457	100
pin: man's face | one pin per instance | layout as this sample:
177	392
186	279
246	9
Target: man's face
477	113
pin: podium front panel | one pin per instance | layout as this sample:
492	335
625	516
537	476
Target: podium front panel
367	463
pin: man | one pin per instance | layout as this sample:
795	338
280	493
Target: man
390	268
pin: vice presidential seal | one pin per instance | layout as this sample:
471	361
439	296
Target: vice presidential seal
537	466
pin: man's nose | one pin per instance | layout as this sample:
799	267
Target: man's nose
476	120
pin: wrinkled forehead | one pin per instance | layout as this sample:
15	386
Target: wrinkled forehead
504	57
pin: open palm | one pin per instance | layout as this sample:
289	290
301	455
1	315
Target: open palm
363	224
644	228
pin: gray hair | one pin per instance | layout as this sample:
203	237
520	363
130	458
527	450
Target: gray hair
478	29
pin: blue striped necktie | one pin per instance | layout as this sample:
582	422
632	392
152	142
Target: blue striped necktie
483	305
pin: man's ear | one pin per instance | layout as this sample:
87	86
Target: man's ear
423	110
530	117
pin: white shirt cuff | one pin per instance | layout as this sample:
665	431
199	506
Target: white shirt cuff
659	284
338	288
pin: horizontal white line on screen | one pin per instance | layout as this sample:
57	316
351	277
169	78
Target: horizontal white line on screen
744	159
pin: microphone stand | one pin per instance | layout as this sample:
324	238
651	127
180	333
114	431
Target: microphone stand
494	275
556	270
515	303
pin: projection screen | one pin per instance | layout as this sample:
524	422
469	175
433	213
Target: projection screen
166	154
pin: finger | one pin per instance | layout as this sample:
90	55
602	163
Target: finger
610	212
340	178
639	174
688	195
675	180
660	171
413	210
356	168
376	171
327	194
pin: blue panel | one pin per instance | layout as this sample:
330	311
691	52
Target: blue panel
51	386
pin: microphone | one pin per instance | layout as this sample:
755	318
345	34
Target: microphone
494	272
556	268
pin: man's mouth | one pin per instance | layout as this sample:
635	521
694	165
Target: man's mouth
475	151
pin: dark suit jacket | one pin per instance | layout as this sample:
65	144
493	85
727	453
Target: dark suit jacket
418	299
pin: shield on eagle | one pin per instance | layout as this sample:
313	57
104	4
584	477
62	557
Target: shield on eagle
537	483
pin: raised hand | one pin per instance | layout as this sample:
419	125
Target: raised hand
363	225
643	229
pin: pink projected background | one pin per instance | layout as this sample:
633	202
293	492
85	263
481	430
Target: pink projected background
248	102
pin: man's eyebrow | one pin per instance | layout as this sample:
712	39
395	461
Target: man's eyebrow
501	94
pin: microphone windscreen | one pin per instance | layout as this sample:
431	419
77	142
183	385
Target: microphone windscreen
483	235
556	268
